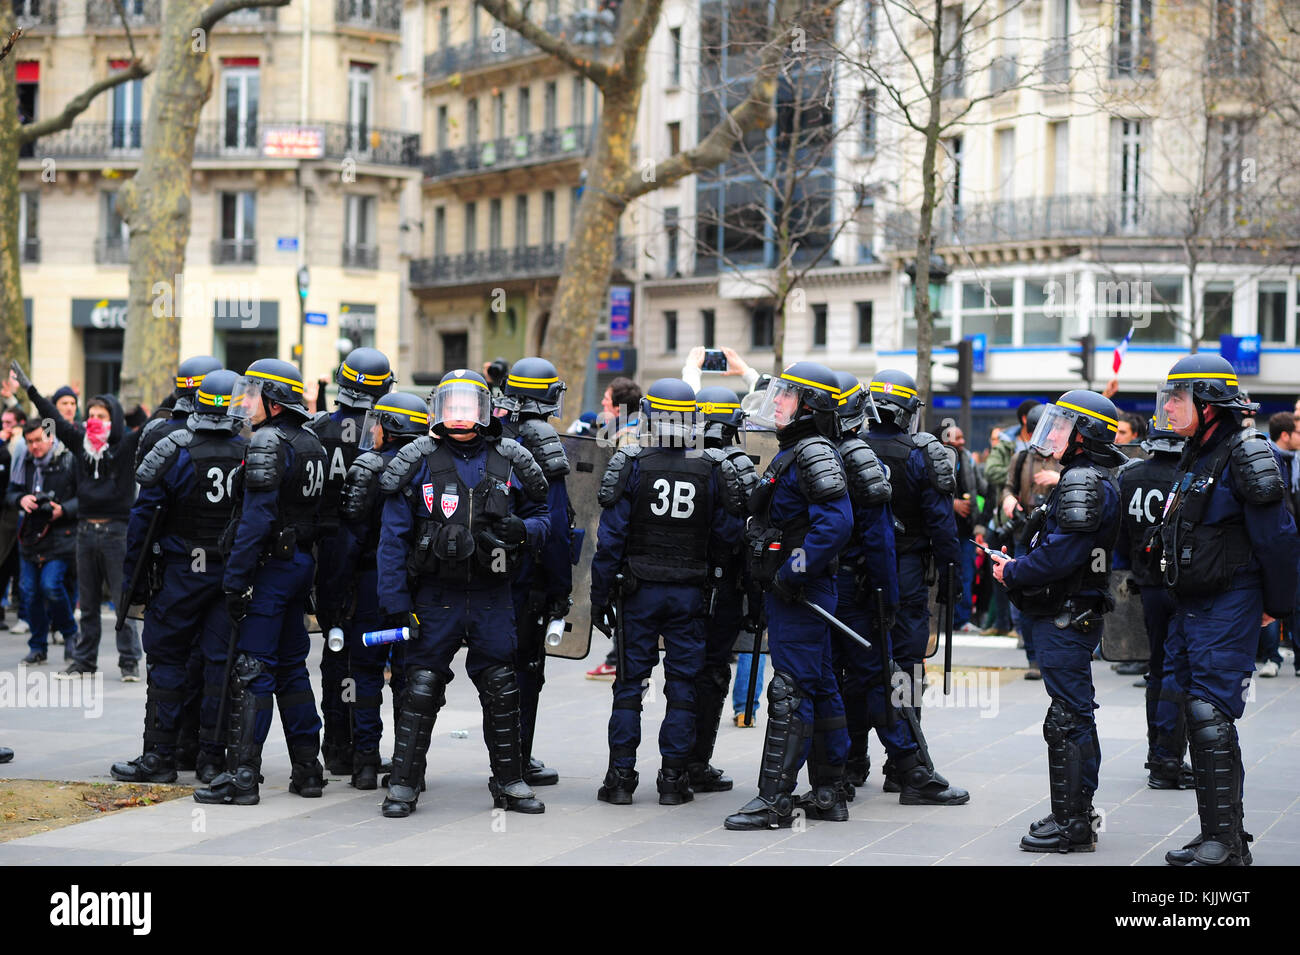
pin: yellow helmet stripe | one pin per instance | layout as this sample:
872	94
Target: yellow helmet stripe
845	395
528	382
463	381
1229	377
295	385
1110	422
901	389
670	404
416	416
363	379
811	384
217	400
712	407
189	381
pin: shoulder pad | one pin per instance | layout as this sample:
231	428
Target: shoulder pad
262	465
615	476
526	468
161	457
743	466
363	477
1255	471
734	498
403	464
1080	499
820	473
938	462
543	443
316	420
867	482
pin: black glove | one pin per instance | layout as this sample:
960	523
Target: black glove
394	621
17	369
887	624
789	592
557	606
237	602
602	617
942	582
511	532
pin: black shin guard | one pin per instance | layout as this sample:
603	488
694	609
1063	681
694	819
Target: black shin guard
499	696
422	699
773	807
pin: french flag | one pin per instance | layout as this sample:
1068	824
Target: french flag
1121	350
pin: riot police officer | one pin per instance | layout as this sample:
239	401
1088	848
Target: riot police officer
1228	551
267	582
1143	488
459	509
922	481
364	377
867	564
531	394
189	476
350	597
801	520
1061	586
189	375
663	511
719	420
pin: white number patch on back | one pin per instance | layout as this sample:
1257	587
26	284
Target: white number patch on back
682	503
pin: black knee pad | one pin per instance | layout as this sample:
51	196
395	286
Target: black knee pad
1059	723
424	693
496	680
1207	725
783	694
246	669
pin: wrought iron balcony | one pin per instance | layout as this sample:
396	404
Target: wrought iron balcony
33	15
485	52
360	256
491	265
384	16
1098	217
251	17
139	13
507	153
234	251
111	250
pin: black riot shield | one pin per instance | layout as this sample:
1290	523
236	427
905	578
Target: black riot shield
588	458
1124	636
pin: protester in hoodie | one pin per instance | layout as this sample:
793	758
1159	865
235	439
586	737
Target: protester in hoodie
105	453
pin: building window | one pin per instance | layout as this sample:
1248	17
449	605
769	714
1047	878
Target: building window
864	217
471	227
238	242
455	350
494	224
499	116
670	332
1129	172
1272	313
819	326
443	129
868	106
987	309
674	138
359	248
1006	182
671	229
865	330
1058	134
113	236
675	53
521	222
1154	308
1134	50
1225	189
1043	311
762	321
941	316
952	185
242	90
549	107
954	68
440	231
575	199
471	121
1216	311
579	101
29	241
548	218
1233	49
707	322
524	106
127	115
361	106
444	28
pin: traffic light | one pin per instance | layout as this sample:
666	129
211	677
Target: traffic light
1085	356
965	367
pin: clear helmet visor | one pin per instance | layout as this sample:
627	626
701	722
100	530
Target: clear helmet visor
779	405
1052	436
250	398
232	401
1175	408
460	404
372	433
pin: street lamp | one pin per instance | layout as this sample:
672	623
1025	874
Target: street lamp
304	280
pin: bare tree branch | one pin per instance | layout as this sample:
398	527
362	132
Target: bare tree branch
9	44
126	26
597	71
221	8
77	105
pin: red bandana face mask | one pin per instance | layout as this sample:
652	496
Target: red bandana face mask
96	435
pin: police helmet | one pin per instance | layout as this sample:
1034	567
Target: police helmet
364	376
895	395
533	386
805	390
398	415
1162	440
461	397
274	380
667	414
219	402
855	403
1194	382
1090	415
189	375
719	415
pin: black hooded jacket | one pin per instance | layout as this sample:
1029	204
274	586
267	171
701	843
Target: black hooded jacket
106	479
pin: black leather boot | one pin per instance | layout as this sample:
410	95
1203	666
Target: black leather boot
620	783
922	786
365	770
828	799
710	693
773	807
1071	826
148	768
424	697
238	785
307	776
674	784
499	696
1216	763
1169	774
151	767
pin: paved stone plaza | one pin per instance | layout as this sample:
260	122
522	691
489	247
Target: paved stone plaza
991	744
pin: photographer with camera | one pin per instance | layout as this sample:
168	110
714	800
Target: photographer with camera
723	361
46	494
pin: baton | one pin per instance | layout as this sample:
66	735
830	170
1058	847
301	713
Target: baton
886	658
620	650
949	615
755	659
141	561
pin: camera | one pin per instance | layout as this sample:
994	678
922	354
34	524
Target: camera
44	504
497	371
714	360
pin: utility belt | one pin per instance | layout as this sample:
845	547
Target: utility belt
1061	601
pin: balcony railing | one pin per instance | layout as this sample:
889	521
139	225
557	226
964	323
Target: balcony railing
1084	217
512	151
1002	74
234	251
251	17
1135	58
534	261
485	51
228	139
360	256
111	250
31	250
35	14
1056	63
139	13
384	16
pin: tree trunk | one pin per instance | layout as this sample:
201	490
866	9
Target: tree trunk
921	306
156	206
13	331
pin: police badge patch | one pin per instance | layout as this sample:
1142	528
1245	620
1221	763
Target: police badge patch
428	497
449	504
